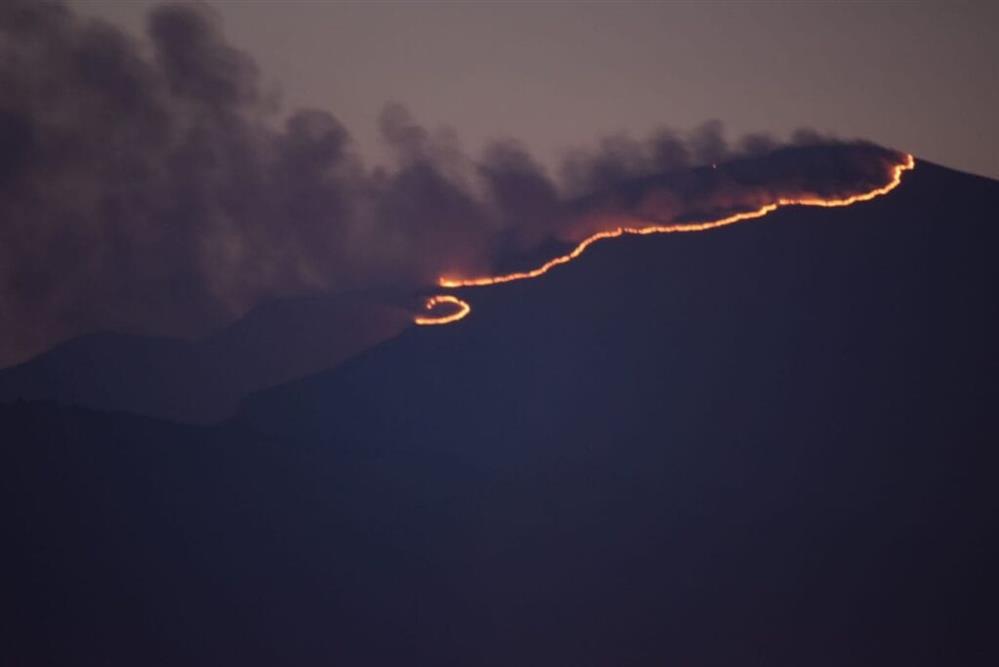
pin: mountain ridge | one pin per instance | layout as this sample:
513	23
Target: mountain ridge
772	442
201	381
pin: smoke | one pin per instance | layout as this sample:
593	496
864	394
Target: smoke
151	186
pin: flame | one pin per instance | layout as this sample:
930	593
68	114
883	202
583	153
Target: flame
896	179
434	301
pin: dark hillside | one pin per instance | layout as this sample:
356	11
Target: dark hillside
768	444
202	381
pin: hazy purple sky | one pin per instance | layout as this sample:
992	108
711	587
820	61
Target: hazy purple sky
918	76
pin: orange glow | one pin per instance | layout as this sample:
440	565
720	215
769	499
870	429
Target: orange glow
896	178
434	301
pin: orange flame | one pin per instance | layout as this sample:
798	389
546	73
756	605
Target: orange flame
896	179
434	301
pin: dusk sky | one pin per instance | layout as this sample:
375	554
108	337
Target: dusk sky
919	76
490	334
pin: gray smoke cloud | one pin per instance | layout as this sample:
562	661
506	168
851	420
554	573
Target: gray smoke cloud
153	186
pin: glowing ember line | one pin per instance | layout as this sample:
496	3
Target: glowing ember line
681	227
896	180
434	301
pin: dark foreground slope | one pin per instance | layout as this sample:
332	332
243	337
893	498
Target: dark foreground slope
768	444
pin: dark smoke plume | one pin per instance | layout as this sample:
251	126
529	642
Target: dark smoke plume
154	187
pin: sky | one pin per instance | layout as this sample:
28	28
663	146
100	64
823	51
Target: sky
917	76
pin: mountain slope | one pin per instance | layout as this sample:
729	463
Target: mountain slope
202	381
898	288
772	443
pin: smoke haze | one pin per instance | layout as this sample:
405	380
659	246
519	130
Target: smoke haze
156	186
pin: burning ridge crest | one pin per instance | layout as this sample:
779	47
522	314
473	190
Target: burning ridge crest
457	309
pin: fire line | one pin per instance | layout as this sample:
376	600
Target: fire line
434	301
464	308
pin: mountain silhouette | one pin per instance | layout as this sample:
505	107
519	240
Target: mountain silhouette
202	381
770	443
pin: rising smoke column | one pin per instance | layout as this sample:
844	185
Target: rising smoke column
155	186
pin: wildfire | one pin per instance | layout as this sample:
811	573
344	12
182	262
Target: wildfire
896	179
434	301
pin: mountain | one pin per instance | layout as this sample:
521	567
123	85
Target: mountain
202	381
770	443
